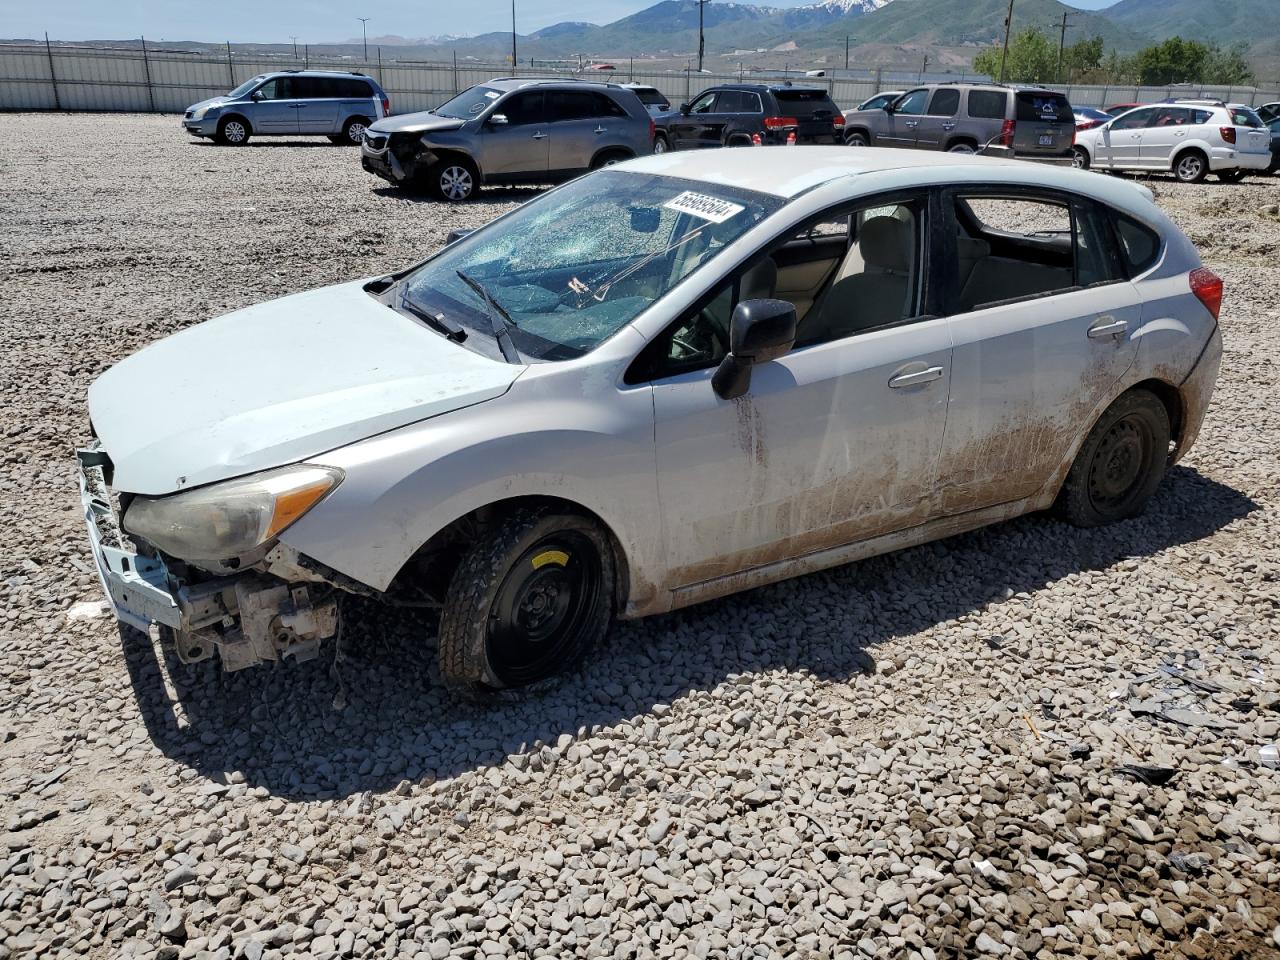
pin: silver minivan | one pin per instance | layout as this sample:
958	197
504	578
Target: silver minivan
291	103
510	130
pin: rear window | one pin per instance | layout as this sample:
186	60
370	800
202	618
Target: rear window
650	97
986	104
1045	107
804	102
1244	117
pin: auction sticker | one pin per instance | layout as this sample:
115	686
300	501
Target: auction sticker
701	205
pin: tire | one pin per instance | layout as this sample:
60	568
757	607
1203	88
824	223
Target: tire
1080	158
738	141
963	146
353	131
1120	464
234	132
661	144
529	600
454	180
1190	166
609	158
856	138
1232	176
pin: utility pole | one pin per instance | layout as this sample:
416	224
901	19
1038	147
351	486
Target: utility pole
923	67
513	36
295	47
846	51
364	35
702	40
1004	55
1062	42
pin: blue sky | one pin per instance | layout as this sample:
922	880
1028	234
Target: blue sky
249	21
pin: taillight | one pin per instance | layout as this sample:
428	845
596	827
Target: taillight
1006	133
780	123
653	129
838	120
1073	136
1207	286
1228	134
386	107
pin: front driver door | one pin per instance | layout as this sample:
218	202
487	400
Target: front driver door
275	107
689	129
833	443
519	147
902	122
1121	139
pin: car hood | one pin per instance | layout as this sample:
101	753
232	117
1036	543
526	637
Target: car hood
277	383
211	102
415	123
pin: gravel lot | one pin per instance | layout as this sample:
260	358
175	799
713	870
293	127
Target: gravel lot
913	756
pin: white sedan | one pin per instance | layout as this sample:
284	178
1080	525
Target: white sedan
680	377
1189	138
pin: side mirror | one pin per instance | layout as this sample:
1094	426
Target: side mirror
760	331
684	109
258	95
499	119
888	108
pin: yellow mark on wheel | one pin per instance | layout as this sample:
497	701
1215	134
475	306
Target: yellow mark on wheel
558	557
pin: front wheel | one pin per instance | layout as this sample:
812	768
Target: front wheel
1079	158
529	600
856	138
233	132
1191	167
1120	464
454	180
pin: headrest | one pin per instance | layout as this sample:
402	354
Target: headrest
760	282
885	242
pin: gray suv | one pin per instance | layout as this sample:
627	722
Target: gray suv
509	130
291	103
990	118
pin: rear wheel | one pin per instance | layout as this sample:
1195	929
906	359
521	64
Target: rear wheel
856	138
453	180
353	131
609	158
1231	176
1080	158
963	146
1191	166
1120	464
233	132
528	601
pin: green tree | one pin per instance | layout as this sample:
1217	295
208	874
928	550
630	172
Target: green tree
1173	61
1229	66
1082	61
1033	58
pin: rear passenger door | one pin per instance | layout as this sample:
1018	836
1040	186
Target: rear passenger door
939	120
318	101
578	122
1168	131
1042	318
737	114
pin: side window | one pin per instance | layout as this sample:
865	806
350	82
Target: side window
355	90
945	102
1011	248
1201	116
913	103
310	88
987	104
731	101
1171	117
603	105
1139	244
1135	120
704	103
569	105
275	89
523	108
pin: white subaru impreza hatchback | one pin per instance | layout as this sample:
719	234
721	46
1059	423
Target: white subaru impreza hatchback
680	377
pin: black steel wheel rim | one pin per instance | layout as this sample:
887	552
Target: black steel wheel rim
541	611
1120	464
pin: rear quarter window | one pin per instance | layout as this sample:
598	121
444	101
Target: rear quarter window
987	104
1045	107
1139	244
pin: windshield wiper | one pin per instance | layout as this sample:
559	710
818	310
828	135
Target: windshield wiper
499	319
436	321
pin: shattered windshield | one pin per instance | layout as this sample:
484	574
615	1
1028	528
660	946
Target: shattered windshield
570	269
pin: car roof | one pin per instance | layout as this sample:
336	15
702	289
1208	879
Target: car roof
317	73
515	83
790	171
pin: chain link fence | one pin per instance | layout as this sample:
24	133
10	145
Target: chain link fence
47	77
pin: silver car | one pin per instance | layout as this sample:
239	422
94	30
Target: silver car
672	380
510	130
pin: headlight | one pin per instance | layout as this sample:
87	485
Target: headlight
200	114
230	518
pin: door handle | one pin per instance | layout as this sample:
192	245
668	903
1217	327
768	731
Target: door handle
601	130
1108	328
539	136
918	377
948	126
911	123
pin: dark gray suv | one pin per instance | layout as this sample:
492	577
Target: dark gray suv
510	130
990	118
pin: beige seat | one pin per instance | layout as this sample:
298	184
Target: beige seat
996	278
876	295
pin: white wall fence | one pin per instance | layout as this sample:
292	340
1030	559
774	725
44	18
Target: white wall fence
40	77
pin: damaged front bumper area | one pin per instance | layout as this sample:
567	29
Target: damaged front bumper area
396	158
278	609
